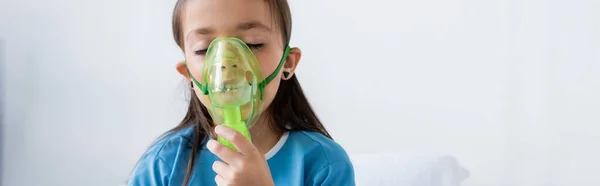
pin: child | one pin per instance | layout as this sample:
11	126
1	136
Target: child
289	144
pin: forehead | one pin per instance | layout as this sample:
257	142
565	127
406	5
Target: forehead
224	15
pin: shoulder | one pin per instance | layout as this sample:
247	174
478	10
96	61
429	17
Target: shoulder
158	163
327	161
319	145
171	144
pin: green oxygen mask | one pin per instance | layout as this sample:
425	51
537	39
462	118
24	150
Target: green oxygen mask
234	82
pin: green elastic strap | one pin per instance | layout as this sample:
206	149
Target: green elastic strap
202	88
261	85
267	80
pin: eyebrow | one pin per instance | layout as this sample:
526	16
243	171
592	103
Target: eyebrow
241	27
251	25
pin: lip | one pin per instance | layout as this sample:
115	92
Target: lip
226	89
231	87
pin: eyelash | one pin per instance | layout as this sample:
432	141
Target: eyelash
256	46
251	46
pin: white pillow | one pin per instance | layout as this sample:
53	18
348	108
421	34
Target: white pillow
407	169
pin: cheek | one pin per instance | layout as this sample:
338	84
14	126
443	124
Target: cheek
195	65
269	60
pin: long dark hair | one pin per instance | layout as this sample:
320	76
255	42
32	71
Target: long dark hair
289	111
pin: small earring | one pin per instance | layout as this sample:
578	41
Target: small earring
192	84
287	75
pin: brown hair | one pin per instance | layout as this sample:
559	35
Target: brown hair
289	107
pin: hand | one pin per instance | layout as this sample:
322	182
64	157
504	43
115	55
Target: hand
245	167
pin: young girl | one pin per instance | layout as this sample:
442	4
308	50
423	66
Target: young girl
289	144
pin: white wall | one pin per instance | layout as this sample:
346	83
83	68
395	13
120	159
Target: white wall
509	87
2	62
89	85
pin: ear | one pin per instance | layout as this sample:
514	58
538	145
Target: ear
182	69
292	61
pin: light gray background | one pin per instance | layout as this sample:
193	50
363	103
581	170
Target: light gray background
509	87
2	62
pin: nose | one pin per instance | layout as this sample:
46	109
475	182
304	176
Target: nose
231	73
231	66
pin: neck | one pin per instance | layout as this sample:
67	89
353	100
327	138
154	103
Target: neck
262	136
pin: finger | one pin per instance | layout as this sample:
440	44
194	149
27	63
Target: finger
222	169
223	152
220	181
238	140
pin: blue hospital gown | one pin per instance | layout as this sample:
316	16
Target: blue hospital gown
298	158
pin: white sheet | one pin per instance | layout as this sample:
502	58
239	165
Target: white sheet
407	170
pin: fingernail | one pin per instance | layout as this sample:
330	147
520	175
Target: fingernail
218	128
211	144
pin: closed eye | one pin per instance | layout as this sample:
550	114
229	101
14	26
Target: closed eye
251	46
255	46
200	52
